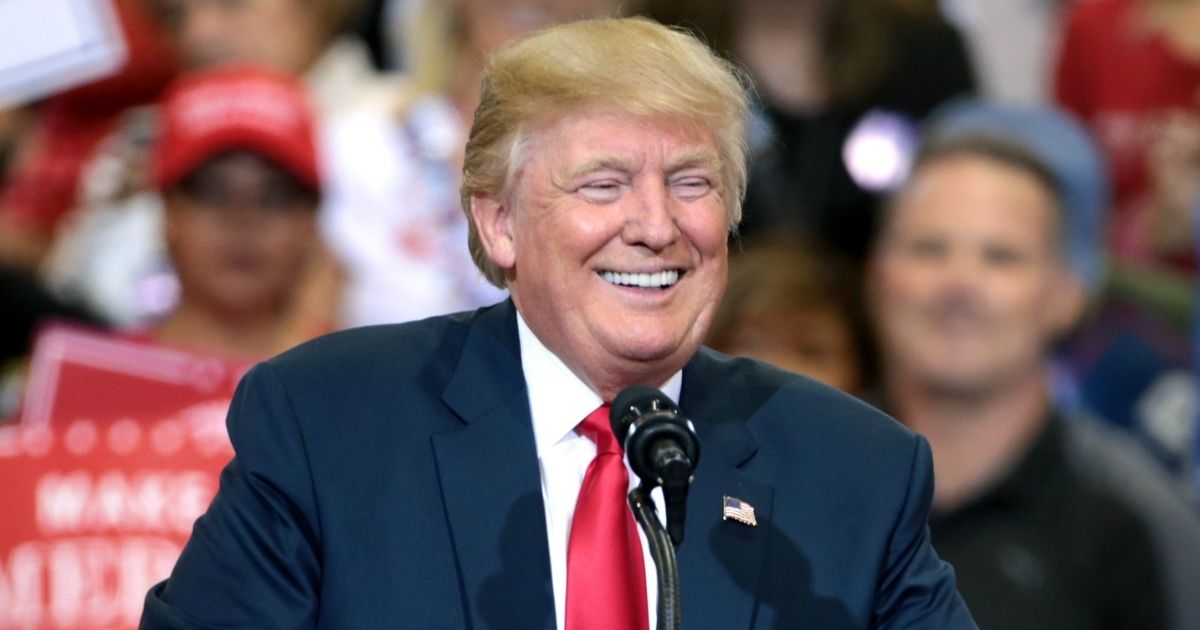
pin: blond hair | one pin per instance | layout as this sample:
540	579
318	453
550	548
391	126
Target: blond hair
633	64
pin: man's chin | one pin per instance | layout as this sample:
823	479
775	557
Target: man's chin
654	352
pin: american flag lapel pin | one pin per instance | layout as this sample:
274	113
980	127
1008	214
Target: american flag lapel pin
735	509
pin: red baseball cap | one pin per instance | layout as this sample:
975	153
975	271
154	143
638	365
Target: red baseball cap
212	111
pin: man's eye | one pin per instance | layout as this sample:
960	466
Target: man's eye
601	191
691	187
926	249
1003	256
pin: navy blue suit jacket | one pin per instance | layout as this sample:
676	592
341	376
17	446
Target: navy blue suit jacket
387	477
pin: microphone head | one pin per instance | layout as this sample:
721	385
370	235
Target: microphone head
634	402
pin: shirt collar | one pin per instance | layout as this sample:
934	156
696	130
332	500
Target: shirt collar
1030	476
559	400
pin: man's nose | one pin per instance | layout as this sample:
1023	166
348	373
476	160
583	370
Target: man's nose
961	271
652	219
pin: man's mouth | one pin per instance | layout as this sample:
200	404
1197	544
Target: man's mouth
655	280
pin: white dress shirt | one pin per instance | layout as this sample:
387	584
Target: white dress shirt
558	402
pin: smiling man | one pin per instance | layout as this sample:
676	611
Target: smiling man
971	284
459	472
622	222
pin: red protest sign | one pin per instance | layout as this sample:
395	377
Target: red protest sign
117	452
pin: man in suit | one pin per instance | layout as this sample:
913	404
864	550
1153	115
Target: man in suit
449	473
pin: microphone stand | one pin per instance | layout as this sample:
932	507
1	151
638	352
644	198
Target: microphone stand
670	615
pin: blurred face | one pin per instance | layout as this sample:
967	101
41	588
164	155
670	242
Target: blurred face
815	342
488	24
282	34
1178	21
240	231
967	287
613	243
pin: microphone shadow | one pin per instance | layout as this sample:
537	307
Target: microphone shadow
786	598
510	598
514	598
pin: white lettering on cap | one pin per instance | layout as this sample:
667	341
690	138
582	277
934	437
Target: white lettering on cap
246	103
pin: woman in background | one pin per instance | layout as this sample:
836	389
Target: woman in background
800	309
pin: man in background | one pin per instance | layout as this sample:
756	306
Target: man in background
1049	523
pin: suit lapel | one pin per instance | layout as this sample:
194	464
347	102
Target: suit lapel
491	488
490	482
720	561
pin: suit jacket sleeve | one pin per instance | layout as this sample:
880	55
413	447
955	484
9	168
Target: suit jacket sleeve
917	589
252	560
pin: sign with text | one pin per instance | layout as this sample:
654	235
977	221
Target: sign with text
117	452
51	45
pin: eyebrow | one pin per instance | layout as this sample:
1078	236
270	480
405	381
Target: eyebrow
694	158
612	163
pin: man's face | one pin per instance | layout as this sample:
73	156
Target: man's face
967	287
240	232
613	242
282	34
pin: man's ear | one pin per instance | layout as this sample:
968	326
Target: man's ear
1067	302
494	222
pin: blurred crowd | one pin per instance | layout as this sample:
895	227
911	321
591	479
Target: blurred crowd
979	215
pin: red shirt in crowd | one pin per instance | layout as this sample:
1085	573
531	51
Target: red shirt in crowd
1122	78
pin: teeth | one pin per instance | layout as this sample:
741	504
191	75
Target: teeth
655	280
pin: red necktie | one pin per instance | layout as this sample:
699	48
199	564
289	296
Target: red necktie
606	577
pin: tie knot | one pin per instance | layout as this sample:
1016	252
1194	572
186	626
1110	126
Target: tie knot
596	427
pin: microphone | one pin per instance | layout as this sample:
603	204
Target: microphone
661	445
